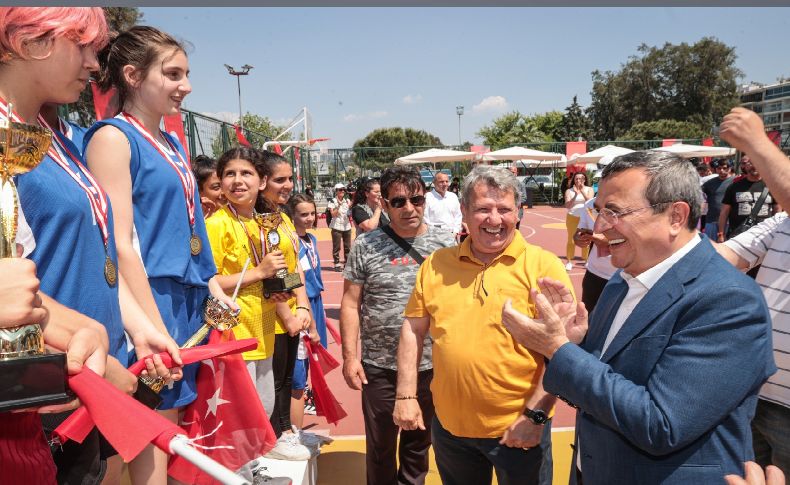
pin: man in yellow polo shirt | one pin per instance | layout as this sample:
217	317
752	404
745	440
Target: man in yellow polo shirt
491	409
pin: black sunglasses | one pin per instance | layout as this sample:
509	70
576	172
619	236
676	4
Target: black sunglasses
400	202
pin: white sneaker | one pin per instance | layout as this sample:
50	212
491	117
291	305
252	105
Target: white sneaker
289	448
569	266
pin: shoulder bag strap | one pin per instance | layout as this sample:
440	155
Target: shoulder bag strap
403	244
759	204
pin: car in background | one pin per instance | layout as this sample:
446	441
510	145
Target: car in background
539	182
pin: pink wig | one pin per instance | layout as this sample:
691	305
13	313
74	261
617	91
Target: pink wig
86	26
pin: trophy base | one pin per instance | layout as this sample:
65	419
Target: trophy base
147	396
34	381
281	285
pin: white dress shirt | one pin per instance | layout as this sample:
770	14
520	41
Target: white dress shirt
443	212
638	286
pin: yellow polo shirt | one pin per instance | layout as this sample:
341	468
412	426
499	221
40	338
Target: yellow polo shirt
481	376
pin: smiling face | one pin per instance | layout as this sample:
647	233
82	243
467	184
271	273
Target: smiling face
211	188
304	216
164	86
641	239
279	185
491	216
241	184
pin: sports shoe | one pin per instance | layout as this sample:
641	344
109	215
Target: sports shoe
338	268
289	448
309	409
309	402
260	477
569	266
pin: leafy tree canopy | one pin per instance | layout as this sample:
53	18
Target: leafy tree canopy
574	123
257	129
391	143
514	128
695	83
659	129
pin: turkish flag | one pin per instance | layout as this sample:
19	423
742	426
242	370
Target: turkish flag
326	404
333	330
322	356
175	127
227	413
240	135
105	103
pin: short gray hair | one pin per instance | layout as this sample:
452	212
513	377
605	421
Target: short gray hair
670	179
498	178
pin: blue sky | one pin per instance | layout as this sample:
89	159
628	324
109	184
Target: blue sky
357	69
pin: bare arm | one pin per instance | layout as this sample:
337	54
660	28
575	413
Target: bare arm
373	222
349	334
412	336
64	323
744	130
266	269
570	194
108	158
724	213
730	255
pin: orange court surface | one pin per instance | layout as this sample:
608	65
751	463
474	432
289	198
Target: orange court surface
343	461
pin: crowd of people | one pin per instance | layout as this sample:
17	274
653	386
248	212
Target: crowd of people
675	360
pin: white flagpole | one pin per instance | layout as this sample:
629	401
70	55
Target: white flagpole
181	447
238	284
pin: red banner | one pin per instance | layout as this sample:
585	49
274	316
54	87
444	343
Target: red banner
669	142
105	103
175	127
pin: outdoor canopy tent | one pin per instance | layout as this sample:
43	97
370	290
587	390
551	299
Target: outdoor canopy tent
603	155
521	153
435	155
697	151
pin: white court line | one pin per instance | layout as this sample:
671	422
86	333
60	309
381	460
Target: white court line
547	217
531	229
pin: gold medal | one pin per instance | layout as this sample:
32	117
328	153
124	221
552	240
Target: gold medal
195	245
110	272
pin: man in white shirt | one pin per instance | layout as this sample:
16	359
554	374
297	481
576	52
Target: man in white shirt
339	206
666	380
767	244
442	208
599	263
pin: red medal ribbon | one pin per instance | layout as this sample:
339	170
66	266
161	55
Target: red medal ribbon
312	251
252	243
96	195
186	177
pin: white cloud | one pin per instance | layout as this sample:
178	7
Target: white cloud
349	118
223	116
409	99
491	103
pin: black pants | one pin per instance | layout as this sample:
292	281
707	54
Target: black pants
381	433
592	287
336	237
285	349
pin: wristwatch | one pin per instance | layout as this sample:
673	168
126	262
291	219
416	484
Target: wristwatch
537	416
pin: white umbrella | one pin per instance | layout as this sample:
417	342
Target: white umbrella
435	155
696	151
521	153
603	155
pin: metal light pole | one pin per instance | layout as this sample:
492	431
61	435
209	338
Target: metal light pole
459	110
245	69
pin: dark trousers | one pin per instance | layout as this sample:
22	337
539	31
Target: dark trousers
381	433
469	461
592	287
285	349
336	237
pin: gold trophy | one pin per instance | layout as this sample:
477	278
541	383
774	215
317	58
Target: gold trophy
30	376
216	315
282	281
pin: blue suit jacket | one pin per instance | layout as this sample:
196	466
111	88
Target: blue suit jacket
672	399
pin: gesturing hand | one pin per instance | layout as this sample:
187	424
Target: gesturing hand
573	314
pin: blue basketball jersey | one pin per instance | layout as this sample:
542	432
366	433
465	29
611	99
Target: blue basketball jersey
69	252
160	214
310	261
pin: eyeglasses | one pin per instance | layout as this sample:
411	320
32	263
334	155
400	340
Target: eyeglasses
400	202
613	217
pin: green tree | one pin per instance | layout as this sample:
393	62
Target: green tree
574	123
510	129
257	129
390	143
659	129
549	123
695	83
119	19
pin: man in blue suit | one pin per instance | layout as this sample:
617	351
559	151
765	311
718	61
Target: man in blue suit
666	379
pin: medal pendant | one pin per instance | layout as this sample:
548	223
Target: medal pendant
195	245
110	272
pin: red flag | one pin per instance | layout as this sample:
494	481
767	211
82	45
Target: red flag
77	426
333	330
322	356
325	403
105	103
127	424
229	410
175	127
240	135
278	149
667	142
775	137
